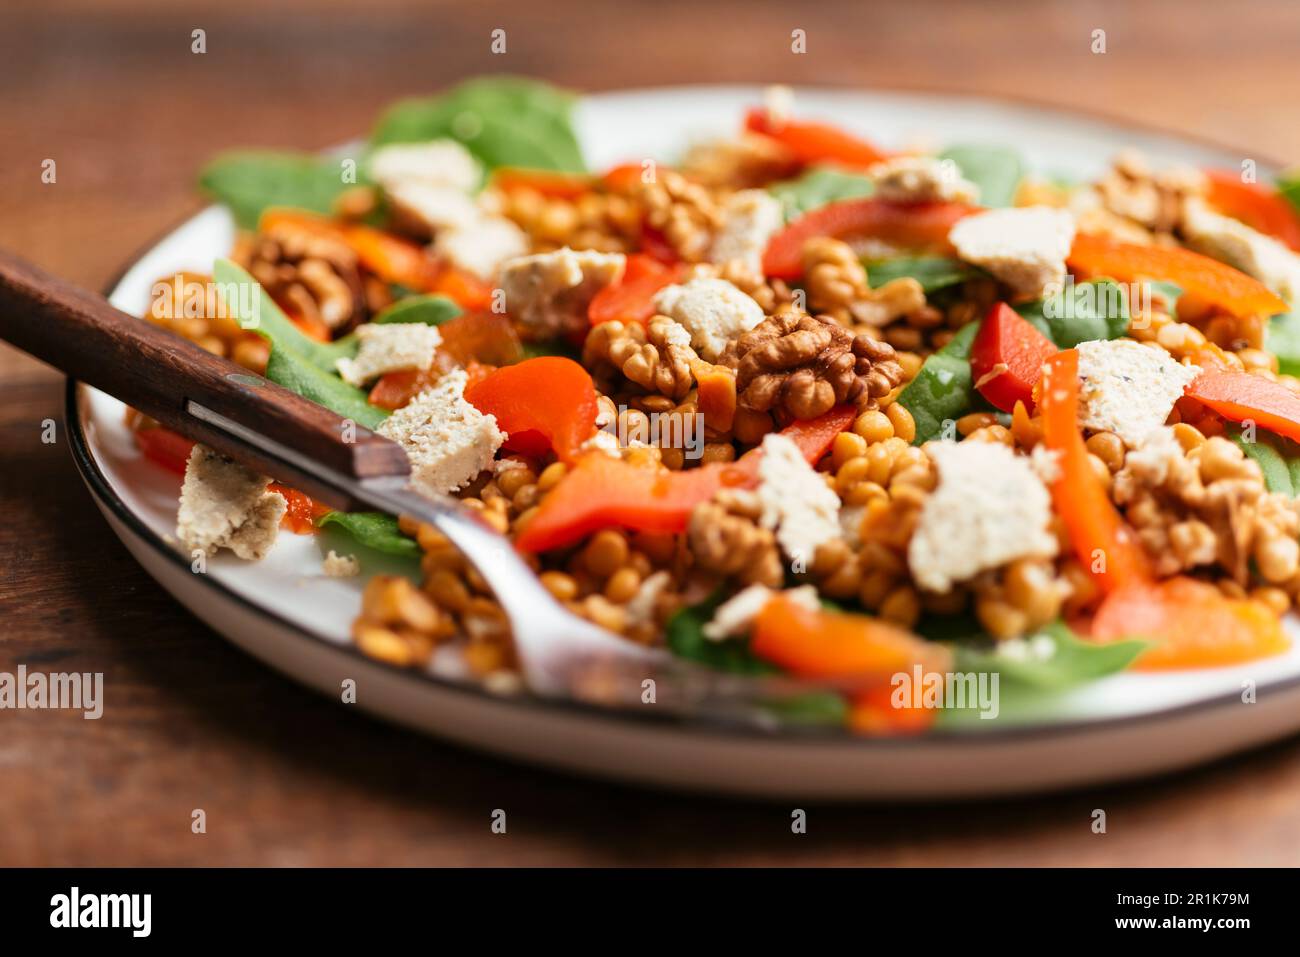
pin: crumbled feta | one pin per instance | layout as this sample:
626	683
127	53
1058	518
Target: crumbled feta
434	207
641	609
736	615
778	104
390	347
603	441
225	505
851	524
989	508
448	441
713	311
481	246
1024	248
340	566
797	503
548	293
436	163
1236	244
1046	463
749	219
1128	388
922	179
1156	455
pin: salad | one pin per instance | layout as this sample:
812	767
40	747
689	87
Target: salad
792	402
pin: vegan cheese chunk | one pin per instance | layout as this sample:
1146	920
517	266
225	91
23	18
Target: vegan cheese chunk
797	503
340	566
713	311
922	179
549	292
448	441
989	508
390	347
749	219
436	207
1025	248
1128	388
225	505
480	247
1236	244
434	163
736	615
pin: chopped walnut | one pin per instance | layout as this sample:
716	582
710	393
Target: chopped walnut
772	295
1154	200
838	287
685	212
658	357
315	275
742	162
807	364
726	537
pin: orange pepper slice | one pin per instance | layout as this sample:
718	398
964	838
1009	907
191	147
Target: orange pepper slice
1239	397
1258	206
815	142
542	404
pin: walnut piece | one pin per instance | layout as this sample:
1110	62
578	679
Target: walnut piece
317	276
726	538
838	287
658	357
685	212
807	364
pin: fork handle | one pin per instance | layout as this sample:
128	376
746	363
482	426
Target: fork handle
160	373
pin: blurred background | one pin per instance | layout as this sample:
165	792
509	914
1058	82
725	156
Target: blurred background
111	91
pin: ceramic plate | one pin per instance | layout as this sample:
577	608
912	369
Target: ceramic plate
285	612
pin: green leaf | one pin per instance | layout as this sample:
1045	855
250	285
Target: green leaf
431	309
942	390
1080	312
249	181
815	707
1278	459
502	121
1288	184
1169	292
374	530
686	640
996	170
1283	340
932	272
298	362
551	347
817	187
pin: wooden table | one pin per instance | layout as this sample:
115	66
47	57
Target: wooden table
114	95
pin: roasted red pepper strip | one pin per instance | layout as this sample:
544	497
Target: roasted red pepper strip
914	225
1240	396
541	404
631	299
1007	356
602	491
1103	543
1207	278
815	142
546	182
1258	206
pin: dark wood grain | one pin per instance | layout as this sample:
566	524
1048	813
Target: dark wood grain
160	373
112	92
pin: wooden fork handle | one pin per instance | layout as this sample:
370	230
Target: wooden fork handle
159	373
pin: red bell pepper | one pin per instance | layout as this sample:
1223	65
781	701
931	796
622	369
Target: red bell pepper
1239	396
914	225
303	511
815	142
164	447
601	491
1206	278
1007	356
548	183
1258	206
541	404
631	299
1104	544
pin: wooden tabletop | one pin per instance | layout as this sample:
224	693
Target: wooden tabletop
113	93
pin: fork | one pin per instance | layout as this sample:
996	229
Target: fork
278	433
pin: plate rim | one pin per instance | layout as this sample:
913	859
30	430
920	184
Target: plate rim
97	483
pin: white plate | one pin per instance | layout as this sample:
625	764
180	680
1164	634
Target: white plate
287	613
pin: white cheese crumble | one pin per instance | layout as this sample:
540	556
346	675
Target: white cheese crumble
922	179
448	441
989	508
482	246
225	505
436	207
713	311
797	503
549	293
1236	244
435	163
736	615
1025	248
340	566
641	609
1128	388
389	347
750	217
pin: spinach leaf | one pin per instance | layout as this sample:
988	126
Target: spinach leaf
686	640
249	181
503	121
932	272
1278	458
298	362
996	170
1288	185
1080	312
942	390
1169	293
1283	340
550	347
374	530
817	187
431	309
